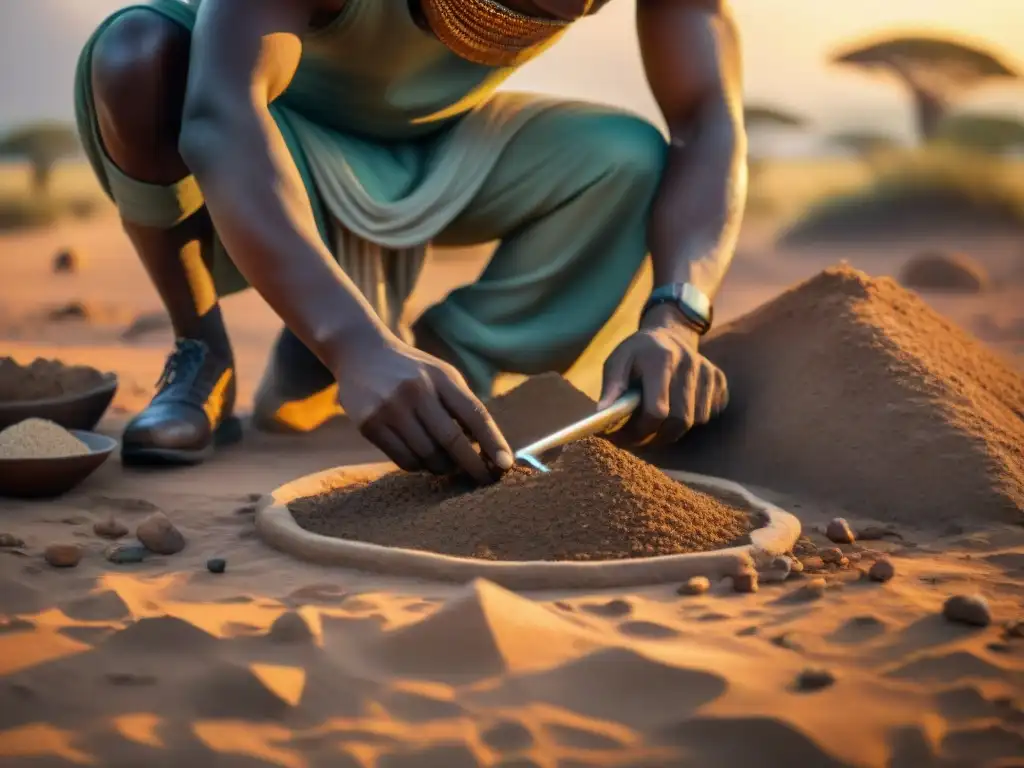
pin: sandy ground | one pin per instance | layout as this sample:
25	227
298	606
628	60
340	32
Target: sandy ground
279	663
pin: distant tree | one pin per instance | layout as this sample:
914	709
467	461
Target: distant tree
983	132
936	70
866	144
42	145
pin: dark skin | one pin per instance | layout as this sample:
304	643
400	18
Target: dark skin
415	407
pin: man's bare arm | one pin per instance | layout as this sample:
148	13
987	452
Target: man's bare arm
692	58
244	54
413	407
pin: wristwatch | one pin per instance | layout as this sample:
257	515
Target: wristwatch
692	303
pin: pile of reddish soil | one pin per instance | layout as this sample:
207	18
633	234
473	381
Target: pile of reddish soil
945	272
537	407
44	379
853	391
597	503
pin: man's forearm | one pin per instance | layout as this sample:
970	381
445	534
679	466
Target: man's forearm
696	216
263	216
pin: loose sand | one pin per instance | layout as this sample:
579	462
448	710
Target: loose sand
280	663
39	439
854	391
597	503
44	379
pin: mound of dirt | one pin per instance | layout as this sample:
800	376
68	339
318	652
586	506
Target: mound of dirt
597	503
852	390
44	379
944	272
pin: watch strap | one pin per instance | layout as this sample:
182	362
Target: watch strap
692	303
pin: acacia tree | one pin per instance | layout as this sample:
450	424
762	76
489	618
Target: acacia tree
983	132
936	70
42	145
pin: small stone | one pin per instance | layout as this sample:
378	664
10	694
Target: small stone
840	532
216	565
968	609
10	541
695	585
832	555
67	261
882	570
110	529
812	590
126	554
158	534
812	679
745	582
290	627
795	566
1014	629
63	555
813	563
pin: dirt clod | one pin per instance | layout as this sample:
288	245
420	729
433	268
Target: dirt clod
695	585
44	379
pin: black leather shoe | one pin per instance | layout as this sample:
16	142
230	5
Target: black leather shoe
191	413
297	393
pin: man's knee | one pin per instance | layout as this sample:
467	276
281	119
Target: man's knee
634	151
139	72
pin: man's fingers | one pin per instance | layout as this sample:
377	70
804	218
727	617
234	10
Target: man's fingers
449	434
655	388
704	399
680	417
477	422
392	445
615	379
413	433
721	392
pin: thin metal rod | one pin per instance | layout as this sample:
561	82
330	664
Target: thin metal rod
599	423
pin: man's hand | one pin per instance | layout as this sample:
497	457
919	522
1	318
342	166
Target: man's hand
419	411
678	385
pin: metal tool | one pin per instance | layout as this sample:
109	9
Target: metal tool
602	422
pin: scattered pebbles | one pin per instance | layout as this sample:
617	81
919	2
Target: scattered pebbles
159	535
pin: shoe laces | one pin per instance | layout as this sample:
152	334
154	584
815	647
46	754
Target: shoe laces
181	375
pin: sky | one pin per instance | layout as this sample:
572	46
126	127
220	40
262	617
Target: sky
786	46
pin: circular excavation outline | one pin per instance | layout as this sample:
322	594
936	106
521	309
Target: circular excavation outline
277	527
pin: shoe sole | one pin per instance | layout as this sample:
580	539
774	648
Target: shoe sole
228	433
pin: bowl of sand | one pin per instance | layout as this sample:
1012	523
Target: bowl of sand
73	396
41	459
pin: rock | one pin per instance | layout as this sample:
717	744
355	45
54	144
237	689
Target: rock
840	532
110	529
126	554
813	563
63	555
832	555
10	541
812	679
882	570
696	585
1014	630
67	261
972	610
745	582
795	566
158	534
216	565
290	627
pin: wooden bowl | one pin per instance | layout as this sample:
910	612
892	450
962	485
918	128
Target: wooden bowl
75	410
47	478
